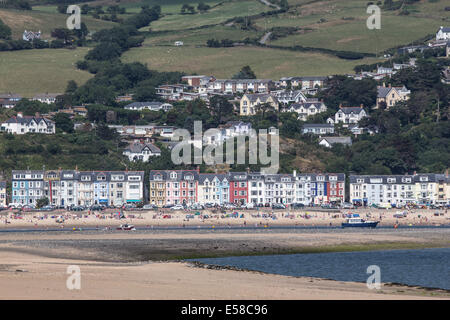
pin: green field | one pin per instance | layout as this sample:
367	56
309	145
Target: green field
225	62
343	25
32	20
29	72
219	14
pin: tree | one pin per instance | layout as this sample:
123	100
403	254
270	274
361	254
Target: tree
63	122
221	108
105	133
105	51
245	73
203	7
63	34
71	86
187	9
5	31
41	202
82	32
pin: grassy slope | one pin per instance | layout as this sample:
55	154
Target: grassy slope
44	21
28	72
353	35
216	15
224	62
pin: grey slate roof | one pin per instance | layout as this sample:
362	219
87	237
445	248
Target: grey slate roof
28	119
318	125
342	140
139	147
348	110
399	179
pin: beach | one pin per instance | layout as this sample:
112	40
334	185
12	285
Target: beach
148	264
262	217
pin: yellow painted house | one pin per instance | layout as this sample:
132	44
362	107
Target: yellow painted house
250	102
391	95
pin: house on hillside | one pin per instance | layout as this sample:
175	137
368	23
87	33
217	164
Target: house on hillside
250	102
349	115
330	141
391	95
443	33
289	96
30	35
318	128
21	124
9	100
139	151
47	98
152	106
308	108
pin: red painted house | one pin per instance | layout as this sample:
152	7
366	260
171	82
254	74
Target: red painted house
238	187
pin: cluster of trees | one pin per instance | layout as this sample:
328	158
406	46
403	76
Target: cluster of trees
187	9
5	31
245	73
213	43
16	4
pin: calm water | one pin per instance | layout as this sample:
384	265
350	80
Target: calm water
427	267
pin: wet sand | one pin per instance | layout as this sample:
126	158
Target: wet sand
127	265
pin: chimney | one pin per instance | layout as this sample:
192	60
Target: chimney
384	84
415	173
294	173
446	173
198	169
340	105
362	106
37	115
19	115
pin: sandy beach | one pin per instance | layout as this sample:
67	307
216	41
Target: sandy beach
146	265
166	217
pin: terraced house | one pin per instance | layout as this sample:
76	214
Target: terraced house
173	187
429	188
21	124
3	195
72	187
245	187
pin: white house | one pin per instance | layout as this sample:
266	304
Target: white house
308	108
141	151
9	100
443	34
21	124
349	114
152	106
290	96
47	98
318	128
329	141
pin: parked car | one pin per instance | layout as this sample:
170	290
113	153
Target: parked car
197	206
297	205
177	207
278	206
48	208
229	206
347	205
150	207
96	207
250	205
168	206
77	208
